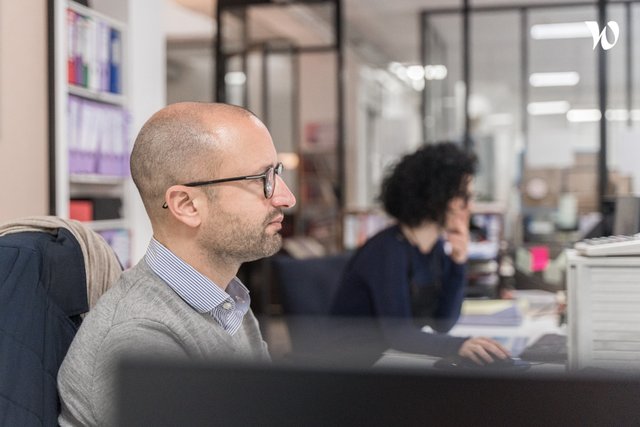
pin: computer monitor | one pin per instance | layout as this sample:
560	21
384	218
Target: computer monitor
202	394
485	234
627	215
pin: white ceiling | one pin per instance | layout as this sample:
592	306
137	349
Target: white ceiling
390	28
388	31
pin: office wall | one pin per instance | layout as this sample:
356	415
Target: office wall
23	109
148	88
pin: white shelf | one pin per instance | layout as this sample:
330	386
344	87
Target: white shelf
83	10
96	179
86	185
107	97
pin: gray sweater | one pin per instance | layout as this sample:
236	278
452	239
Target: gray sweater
141	316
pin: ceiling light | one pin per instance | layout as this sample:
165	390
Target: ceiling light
395	67
586	115
568	78
548	108
435	72
235	78
622	115
290	161
568	30
617	115
415	72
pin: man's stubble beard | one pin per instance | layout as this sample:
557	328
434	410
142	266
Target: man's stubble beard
241	242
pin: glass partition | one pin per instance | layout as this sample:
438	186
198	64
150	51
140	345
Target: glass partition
560	179
282	61
495	103
533	107
444	90
623	115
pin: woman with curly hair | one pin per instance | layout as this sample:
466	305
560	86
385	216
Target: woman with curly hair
413	273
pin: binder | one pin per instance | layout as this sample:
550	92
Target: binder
93	72
73	114
82	43
115	60
71	46
110	141
103	55
106	164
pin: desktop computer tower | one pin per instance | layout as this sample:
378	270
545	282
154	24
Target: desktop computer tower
603	319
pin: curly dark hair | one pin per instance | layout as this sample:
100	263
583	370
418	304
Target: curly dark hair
420	186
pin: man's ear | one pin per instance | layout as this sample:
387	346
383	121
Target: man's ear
183	206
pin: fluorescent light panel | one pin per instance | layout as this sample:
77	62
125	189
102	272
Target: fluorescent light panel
435	72
621	115
237	78
582	116
567	30
548	108
415	72
567	78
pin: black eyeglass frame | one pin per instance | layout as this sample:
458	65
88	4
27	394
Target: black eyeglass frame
268	192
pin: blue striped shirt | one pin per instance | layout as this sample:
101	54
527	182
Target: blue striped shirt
227	308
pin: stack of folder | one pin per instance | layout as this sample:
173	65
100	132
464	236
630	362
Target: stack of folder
94	50
98	137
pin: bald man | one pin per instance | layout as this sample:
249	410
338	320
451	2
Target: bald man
209	178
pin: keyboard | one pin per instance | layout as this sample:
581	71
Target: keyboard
550	348
459	362
610	246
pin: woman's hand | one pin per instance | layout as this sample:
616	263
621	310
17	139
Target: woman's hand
483	350
457	229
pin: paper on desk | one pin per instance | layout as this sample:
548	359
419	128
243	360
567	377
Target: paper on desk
489	306
492	312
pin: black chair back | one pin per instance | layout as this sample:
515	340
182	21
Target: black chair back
306	288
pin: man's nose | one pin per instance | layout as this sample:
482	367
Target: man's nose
283	197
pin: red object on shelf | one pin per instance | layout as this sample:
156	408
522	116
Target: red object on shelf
81	210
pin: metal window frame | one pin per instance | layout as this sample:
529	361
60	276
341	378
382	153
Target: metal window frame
466	10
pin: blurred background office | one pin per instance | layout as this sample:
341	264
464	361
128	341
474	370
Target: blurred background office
346	87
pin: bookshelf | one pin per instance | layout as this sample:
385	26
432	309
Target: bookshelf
91	135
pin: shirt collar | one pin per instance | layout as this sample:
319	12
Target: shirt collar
198	291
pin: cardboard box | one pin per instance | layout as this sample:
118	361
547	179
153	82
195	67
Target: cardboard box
588	161
553	180
584	184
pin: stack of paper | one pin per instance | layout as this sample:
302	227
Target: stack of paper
491	313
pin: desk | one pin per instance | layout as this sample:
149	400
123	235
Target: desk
539	318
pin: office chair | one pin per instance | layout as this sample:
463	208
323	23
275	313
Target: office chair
306	288
51	272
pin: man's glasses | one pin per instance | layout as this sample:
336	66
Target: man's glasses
268	179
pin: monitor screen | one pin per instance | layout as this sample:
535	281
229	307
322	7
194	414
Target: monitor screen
202	394
627	216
